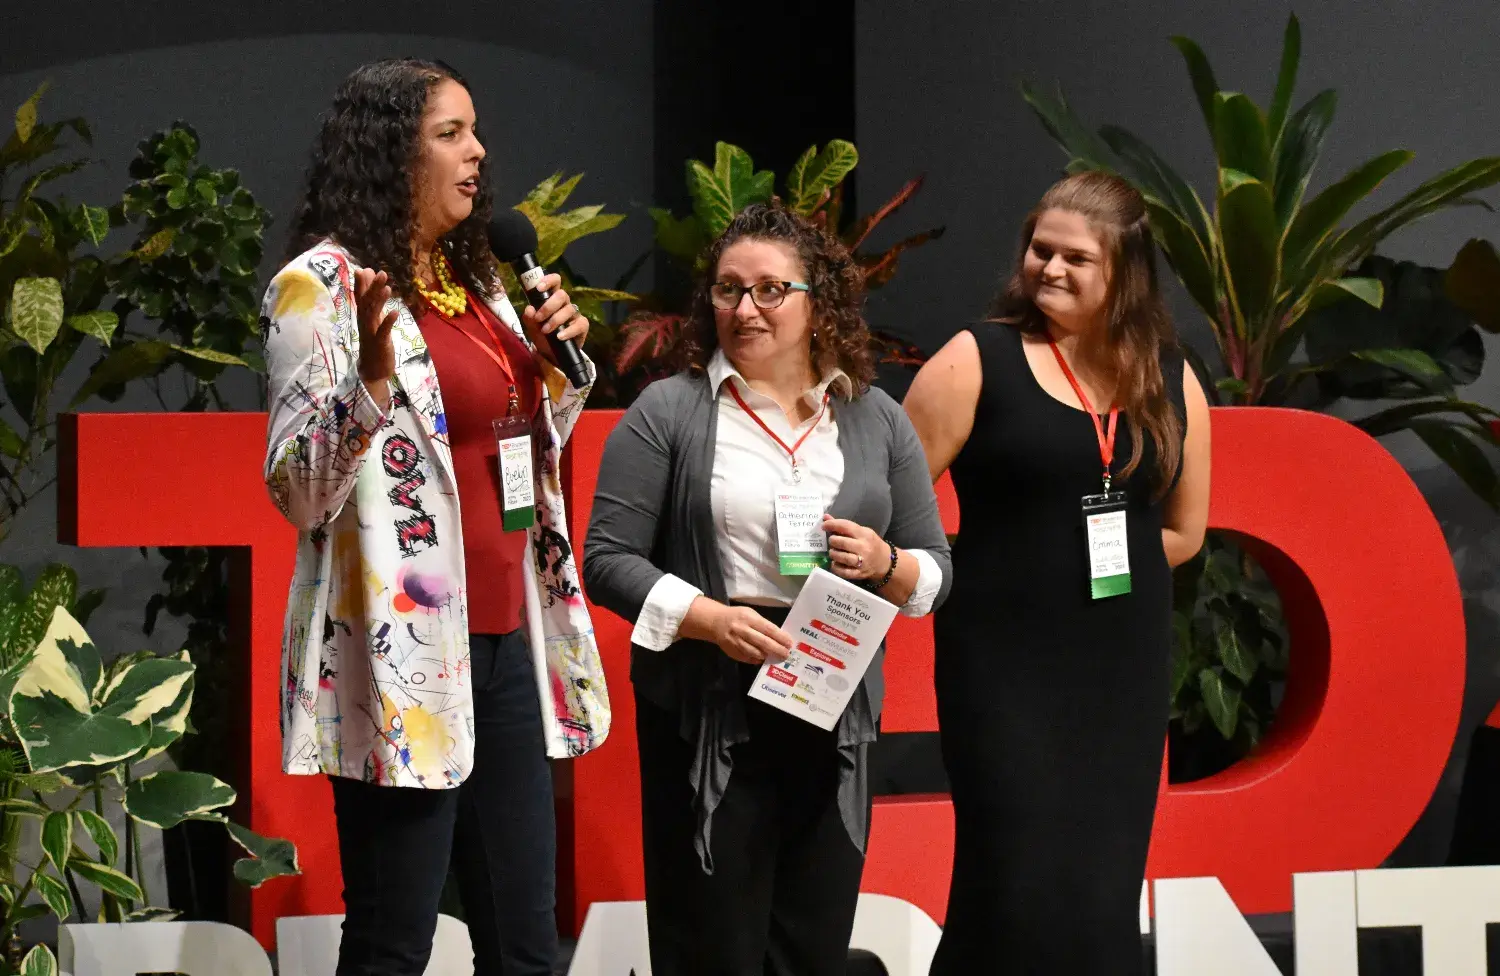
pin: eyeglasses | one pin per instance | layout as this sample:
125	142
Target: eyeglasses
765	294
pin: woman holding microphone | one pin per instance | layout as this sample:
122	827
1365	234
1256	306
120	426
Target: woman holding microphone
437	650
754	820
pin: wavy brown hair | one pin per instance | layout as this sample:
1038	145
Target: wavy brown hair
1139	329
359	182
840	336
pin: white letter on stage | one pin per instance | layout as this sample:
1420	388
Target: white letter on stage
1199	930
1327	936
1451	904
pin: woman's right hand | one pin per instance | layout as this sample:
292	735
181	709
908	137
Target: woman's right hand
377	358
740	632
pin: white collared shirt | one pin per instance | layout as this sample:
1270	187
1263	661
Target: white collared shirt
748	467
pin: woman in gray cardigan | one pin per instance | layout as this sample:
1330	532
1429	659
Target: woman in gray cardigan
754	821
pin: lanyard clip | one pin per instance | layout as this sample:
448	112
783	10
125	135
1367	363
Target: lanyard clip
1108	479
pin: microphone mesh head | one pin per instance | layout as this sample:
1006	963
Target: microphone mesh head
511	235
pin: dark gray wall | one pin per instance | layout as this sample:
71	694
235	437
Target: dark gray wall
937	93
573	91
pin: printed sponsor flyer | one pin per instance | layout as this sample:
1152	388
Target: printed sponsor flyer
837	627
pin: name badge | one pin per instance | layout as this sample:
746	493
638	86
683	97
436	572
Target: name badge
1109	548
517	486
801	543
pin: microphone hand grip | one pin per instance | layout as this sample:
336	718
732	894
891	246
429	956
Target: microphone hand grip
564	351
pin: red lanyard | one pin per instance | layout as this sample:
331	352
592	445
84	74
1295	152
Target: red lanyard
790	451
1106	444
490	351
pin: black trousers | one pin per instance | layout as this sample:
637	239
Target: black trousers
786	875
498	828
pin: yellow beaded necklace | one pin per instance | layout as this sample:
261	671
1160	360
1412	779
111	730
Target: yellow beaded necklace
450	298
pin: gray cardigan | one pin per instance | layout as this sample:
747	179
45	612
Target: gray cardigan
652	515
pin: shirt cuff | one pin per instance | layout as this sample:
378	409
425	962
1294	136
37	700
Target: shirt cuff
929	583
666	606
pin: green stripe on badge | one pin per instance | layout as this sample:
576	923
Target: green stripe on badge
518	518
801	563
1111	586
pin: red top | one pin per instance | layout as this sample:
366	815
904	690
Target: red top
476	392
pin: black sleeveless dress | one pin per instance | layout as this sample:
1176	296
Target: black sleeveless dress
1052	706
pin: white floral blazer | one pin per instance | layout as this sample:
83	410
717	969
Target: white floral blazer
375	654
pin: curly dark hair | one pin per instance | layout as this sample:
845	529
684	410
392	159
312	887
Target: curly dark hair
359	182
840	336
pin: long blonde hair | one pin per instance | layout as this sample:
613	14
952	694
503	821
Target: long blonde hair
1139	328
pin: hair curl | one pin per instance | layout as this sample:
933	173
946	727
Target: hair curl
1139	329
360	179
840	336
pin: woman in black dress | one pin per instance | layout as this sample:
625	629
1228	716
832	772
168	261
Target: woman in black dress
1052	652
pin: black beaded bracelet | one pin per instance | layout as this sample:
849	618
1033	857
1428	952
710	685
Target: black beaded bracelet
889	572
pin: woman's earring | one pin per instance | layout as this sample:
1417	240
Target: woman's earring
815	335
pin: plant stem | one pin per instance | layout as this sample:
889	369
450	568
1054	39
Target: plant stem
77	895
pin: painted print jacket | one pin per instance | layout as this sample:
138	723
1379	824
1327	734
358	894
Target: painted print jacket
375	653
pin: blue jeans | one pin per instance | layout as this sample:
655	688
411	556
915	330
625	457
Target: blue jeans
498	828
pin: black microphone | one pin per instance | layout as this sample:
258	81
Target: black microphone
513	240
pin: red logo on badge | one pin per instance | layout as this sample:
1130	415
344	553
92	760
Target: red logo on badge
785	677
832	632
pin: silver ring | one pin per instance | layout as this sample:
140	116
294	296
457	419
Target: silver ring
575	309
859	562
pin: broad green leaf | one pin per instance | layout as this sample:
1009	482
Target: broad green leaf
680	238
1410	362
1240	136
55	666
271	857
1319	218
115	882
1297	154
103	836
155	246
1186	256
167	798
36	311
1286	79
45	783
561	192
1368	290
55	735
100	324
1250	238
1237	659
210	355
146	688
1396	418
26	114
124	363
796	177
93	222
1449	188
39	961
54	893
1473	283
11	444
555	232
722	192
1464	455
152	915
825	171
57	838
1222	701
1205	87
1155	178
1085	148
47	175
25	808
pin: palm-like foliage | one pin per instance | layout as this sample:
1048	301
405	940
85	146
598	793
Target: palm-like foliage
1267	253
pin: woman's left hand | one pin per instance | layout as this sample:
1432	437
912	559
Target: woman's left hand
558	315
855	552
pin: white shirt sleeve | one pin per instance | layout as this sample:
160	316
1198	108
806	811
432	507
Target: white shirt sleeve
929	582
666	606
